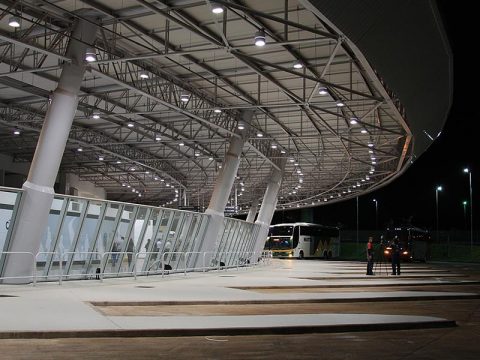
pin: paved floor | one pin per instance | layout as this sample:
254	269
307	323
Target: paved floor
288	309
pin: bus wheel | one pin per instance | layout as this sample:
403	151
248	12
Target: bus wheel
300	255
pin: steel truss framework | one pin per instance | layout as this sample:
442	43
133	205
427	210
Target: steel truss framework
133	129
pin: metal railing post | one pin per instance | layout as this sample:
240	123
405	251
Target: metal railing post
135	266
60	268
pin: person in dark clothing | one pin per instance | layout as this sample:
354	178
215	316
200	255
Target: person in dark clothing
130	250
370	256
396	249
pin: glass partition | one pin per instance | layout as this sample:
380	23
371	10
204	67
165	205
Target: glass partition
88	238
9	200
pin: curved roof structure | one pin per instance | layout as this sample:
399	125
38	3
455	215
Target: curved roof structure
172	80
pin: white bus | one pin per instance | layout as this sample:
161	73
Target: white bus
301	240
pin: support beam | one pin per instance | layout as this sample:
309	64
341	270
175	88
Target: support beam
253	211
221	192
267	209
34	208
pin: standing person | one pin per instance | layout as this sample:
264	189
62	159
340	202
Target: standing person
115	251
130	251
370	256
396	249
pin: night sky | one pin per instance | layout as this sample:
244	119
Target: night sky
412	195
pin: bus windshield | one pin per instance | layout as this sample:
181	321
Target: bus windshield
278	244
281	231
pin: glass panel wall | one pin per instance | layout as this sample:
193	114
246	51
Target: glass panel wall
85	249
87	238
9	200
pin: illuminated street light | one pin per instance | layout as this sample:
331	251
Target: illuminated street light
437	189
467	171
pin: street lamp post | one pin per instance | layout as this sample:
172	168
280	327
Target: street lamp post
376	213
464	203
437	189
467	170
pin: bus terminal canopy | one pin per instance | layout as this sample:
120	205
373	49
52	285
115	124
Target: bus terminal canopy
335	89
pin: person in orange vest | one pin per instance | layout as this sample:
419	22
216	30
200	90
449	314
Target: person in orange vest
370	256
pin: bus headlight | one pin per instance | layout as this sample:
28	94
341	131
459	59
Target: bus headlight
290	255
405	253
386	252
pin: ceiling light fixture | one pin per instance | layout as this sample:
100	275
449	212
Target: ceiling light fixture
216	7
143	74
323	91
297	65
340	103
353	121
15	21
184	97
260	38
90	54
217	110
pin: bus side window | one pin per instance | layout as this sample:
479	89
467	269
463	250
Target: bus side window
296	234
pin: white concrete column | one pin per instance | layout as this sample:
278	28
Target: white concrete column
253	211
221	193
268	206
37	198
